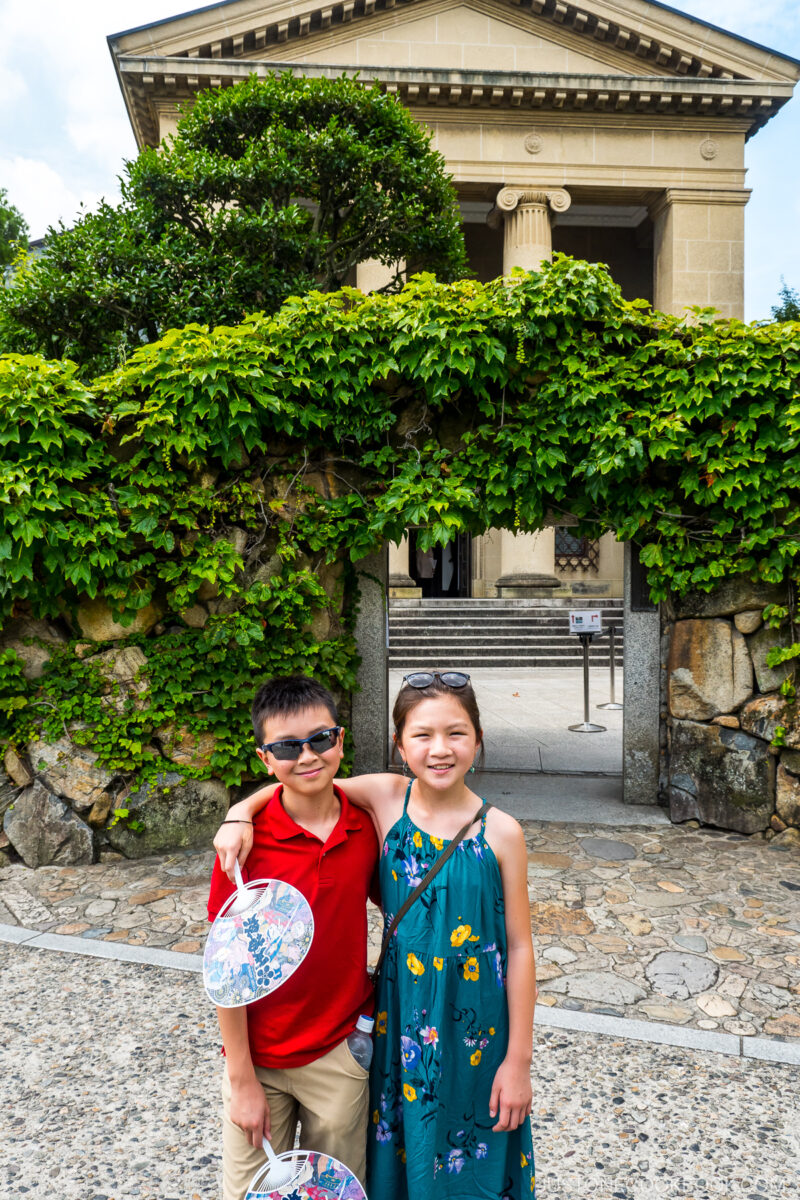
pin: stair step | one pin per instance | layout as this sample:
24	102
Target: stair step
526	634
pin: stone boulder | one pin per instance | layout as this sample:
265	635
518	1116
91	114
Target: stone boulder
731	596
36	655
748	621
123	674
787	794
176	812
70	771
196	616
97	622
763	715
789	839
8	792
769	679
16	768
184	747
720	776
43	830
709	669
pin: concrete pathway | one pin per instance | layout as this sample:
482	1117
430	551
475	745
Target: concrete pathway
111	1081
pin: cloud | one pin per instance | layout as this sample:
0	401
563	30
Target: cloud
13	88
42	195
94	123
65	45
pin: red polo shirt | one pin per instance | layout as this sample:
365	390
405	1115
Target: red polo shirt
320	1003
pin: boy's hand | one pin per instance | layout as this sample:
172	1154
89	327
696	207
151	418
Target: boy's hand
233	841
511	1096
250	1111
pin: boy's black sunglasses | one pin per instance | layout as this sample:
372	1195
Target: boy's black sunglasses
423	679
292	748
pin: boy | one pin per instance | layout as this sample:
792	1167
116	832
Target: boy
286	1055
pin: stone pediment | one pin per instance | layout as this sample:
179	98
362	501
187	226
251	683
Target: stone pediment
635	37
610	55
478	35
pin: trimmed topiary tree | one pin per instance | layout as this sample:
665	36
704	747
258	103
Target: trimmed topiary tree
268	189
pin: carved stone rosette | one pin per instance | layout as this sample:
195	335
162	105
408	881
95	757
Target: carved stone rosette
526	212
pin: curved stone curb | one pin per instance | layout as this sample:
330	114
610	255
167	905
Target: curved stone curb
766	1049
146	955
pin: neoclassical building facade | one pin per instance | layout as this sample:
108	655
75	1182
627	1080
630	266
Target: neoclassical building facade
612	130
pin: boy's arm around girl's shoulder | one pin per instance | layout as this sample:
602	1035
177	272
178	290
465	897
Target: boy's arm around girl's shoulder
373	792
234	838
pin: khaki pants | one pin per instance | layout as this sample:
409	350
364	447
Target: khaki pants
328	1096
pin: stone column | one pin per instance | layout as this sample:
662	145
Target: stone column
527	562
528	559
698	255
401	584
527	216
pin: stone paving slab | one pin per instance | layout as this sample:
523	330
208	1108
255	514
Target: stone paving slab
678	926
110	1077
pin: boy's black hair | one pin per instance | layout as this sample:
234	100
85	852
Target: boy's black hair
286	694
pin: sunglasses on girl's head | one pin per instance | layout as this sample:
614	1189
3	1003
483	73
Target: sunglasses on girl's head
292	748
423	679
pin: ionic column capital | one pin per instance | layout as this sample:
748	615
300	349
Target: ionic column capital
558	199
526	214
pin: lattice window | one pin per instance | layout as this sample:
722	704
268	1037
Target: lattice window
576	553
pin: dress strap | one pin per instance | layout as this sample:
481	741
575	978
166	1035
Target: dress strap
485	811
408	793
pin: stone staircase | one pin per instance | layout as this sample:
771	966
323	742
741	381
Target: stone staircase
496	633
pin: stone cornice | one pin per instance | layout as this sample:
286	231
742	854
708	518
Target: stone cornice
672	195
650	33
150	82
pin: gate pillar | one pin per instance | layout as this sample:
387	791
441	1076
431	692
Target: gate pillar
370	704
642	677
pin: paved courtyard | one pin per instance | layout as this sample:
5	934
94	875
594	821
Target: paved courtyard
684	928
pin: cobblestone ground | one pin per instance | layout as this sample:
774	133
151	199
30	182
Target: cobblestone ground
682	926
110	1080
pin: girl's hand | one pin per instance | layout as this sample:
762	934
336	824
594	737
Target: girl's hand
233	841
512	1095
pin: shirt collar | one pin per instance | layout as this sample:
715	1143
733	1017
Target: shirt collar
283	827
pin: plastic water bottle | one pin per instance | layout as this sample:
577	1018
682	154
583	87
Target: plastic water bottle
360	1042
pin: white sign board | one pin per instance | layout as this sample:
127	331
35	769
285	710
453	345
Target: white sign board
585	620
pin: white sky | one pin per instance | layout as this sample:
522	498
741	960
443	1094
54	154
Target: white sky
64	131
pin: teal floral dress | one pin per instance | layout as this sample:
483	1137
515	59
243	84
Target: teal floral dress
442	1031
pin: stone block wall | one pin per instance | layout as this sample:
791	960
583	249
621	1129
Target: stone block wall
58	801
724	760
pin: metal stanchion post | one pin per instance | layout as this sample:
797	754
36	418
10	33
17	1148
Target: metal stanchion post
586	725
612	629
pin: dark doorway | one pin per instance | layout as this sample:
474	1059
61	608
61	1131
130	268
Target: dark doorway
442	571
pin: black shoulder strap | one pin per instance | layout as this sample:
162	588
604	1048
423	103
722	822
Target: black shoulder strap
420	888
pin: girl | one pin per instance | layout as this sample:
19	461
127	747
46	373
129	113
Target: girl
450	1082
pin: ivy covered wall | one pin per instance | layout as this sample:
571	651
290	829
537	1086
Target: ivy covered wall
184	526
